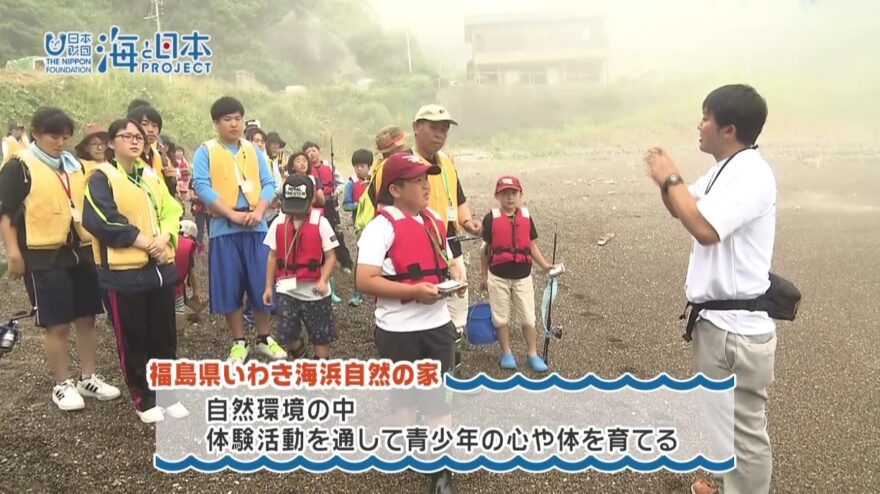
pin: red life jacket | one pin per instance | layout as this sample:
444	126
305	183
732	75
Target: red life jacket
324	174
511	240
185	248
358	187
415	253
306	255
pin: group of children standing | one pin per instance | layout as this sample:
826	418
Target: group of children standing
141	261
509	236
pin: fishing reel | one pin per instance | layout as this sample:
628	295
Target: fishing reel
555	332
10	334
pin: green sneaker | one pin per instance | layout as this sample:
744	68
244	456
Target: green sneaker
271	350
238	354
333	298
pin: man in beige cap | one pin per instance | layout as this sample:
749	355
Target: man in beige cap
430	127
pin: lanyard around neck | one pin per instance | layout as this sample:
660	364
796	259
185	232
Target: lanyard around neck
712	182
290	247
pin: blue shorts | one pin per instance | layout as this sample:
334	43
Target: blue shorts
237	265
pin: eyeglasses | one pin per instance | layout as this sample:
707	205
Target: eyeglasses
97	144
131	137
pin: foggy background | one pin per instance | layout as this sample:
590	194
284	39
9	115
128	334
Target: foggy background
678	36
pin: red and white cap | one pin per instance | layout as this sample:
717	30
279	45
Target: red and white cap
507	182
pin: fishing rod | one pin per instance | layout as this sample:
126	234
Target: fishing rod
549	332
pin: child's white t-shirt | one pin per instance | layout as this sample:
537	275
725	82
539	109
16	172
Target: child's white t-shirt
304	289
391	314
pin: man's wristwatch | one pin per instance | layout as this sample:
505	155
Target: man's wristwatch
674	179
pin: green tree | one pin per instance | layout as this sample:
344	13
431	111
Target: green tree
21	25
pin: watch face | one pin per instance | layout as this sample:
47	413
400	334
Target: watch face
672	180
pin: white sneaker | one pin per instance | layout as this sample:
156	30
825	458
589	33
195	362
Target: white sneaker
238	354
67	397
271	350
177	411
96	387
151	416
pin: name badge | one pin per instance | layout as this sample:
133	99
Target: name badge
247	187
452	215
286	286
75	214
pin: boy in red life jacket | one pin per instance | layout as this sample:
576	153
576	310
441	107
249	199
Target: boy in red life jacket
402	256
184	262
301	260
506	270
361	160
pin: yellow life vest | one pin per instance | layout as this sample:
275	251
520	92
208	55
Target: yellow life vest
140	204
366	207
89	165
13	146
156	160
444	189
228	172
47	209
281	162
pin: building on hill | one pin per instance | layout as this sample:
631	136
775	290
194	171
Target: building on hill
26	64
537	49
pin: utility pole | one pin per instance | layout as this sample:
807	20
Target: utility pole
408	52
155	13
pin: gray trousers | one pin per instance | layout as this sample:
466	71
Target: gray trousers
718	354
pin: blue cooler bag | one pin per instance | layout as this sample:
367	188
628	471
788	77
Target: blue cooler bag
480	330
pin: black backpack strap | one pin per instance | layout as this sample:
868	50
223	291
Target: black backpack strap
691	319
526	251
312	265
415	273
695	309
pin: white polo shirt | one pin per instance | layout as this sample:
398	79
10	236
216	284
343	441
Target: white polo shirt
741	207
391	314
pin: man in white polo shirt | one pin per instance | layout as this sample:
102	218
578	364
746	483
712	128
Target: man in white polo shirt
731	214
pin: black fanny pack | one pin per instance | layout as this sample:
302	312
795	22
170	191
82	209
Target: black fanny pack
780	302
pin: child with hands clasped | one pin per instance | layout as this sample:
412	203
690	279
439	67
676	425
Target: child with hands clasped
301	260
509	236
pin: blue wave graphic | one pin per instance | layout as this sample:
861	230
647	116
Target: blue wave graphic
591	380
553	463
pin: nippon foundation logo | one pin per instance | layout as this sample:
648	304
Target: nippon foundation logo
167	52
